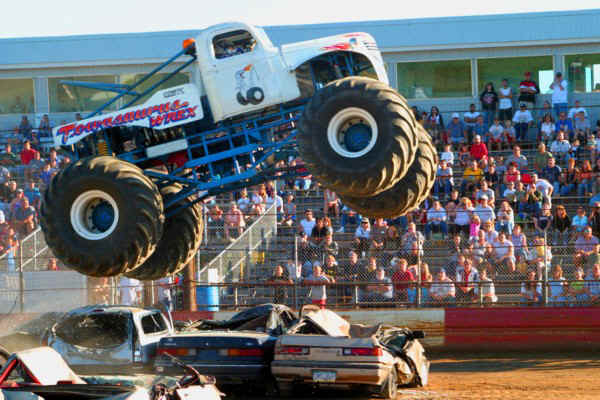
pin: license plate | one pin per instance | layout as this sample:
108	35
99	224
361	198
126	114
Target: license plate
323	376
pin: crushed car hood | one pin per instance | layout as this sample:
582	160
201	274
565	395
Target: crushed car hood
48	366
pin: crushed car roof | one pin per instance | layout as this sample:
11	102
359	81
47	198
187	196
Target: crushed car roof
241	318
330	322
47	366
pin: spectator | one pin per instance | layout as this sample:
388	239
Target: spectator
474	226
320	231
442	291
463	216
541	158
472	175
505	218
579	221
215	222
484	190
496	135
304	180
561	224
543	221
5	175
532	201
510	194
279	281
568	179
519	241
28	153
45	129
24	217
547	129
484	210
378	232
488	292
466	281
578	108
464	158
52	264
413	239
244	202
480	128
560	147
594	219
456	130
585	245
130	291
552	173
512	175
509	133
593	285
234	220
381	290
350	270
565	125
470	118
444	179
531	291
576	289
492	179
329	247
585	179
557	287
505	94
490	232
489	103
317	282
362	236
478	149
331	203
559	94
503	250
517	158
434	124
523	121
403	280
349	216
46	174
25	129
447	155
582	126
307	223
35	166
528	90
436	220
289	210
544	187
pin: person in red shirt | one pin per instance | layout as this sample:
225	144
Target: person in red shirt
403	291
478	149
27	154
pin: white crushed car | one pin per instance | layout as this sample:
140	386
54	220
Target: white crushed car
323	349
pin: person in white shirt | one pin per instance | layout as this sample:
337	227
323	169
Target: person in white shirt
523	120
488	291
447	155
442	291
559	94
484	211
436	220
547	129
470	118
130	291
560	147
244	202
163	291
545	187
495	134
308	223
505	94
577	109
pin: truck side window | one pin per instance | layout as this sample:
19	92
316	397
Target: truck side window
233	43
153	323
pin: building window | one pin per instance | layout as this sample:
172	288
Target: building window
65	98
16	96
424	80
130	79
514	68
583	72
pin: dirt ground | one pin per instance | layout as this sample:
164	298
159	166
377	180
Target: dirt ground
511	376
503	377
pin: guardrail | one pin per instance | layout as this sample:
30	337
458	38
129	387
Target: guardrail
234	262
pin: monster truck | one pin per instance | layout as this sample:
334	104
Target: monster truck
130	204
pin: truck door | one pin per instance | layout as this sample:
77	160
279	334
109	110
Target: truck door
242	75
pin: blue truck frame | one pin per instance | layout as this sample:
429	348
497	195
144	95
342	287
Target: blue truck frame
250	137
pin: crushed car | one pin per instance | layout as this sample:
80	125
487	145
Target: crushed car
323	349
41	373
237	350
99	338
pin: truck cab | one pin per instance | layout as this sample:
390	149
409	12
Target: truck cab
242	71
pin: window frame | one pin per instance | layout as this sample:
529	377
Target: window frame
33	105
116	80
476	59
565	69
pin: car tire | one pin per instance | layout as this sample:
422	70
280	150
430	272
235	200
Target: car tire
357	136
182	234
390	388
102	216
408	193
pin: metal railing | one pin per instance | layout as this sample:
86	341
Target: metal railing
234	263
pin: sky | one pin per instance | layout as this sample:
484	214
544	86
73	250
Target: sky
27	18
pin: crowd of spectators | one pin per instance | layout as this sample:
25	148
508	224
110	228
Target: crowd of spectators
494	205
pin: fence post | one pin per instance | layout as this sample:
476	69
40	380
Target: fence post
35	252
418	294
21	282
545	270
297	278
235	296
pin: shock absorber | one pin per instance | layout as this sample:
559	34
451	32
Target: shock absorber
102	147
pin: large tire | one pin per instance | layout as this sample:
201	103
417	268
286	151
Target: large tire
181	238
357	136
102	216
408	193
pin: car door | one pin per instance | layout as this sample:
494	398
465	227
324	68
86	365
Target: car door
150	327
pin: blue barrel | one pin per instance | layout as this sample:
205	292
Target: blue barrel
207	298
